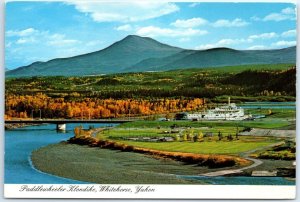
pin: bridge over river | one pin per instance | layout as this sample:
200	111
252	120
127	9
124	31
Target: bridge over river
61	123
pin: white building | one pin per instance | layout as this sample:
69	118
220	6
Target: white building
227	112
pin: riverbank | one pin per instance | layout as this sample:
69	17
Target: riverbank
108	162
18	125
105	166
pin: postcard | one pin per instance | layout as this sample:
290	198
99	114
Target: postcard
150	100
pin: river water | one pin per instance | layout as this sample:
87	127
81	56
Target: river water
242	180
268	105
19	143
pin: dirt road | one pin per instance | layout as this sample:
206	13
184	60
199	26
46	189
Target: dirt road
256	162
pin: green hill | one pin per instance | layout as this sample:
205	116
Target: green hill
217	57
120	55
141	54
274	82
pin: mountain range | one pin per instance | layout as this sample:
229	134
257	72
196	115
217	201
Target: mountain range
140	54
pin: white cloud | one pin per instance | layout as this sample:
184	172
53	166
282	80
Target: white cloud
285	14
288	10
289	33
43	45
269	35
20	33
257	47
276	17
152	31
255	18
185	39
226	42
206	46
32	36
251	39
126	28
193	22
60	40
192	5
124	11
227	23
26	40
94	43
284	43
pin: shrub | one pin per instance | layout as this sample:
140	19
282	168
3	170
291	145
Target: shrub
184	137
219	162
190	159
177	138
128	148
281	155
119	146
101	143
109	145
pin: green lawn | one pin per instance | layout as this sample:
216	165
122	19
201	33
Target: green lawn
167	124
213	147
120	133
267	123
207	146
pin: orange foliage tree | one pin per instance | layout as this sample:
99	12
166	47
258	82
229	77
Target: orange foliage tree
20	106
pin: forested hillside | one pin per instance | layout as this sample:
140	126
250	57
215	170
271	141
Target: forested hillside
146	93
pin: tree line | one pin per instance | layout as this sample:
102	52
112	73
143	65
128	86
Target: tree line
173	84
29	106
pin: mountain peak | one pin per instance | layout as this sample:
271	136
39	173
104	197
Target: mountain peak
221	49
137	38
146	43
132	36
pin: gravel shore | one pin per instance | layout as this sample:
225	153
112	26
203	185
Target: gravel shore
104	166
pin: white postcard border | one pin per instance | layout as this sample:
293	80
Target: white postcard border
162	191
149	191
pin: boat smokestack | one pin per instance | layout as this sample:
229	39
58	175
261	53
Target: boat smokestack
228	100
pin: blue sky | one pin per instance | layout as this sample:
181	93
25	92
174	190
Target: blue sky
40	31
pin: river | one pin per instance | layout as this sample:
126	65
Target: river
241	180
268	105
20	142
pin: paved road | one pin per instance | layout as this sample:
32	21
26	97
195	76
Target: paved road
256	162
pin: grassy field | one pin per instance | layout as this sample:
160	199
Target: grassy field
233	148
266	123
208	145
163	132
